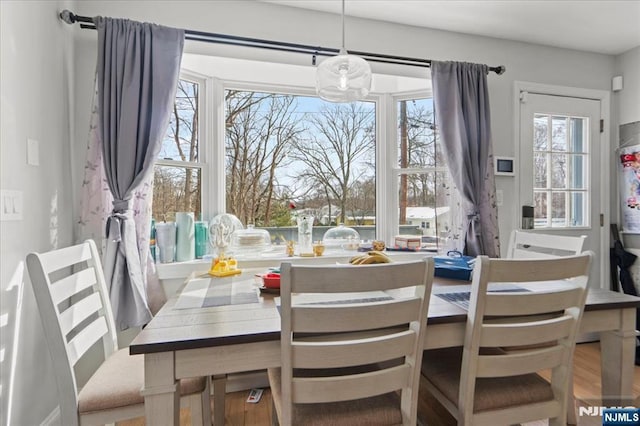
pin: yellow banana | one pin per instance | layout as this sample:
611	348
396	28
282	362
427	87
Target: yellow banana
355	259
360	260
378	253
368	260
380	259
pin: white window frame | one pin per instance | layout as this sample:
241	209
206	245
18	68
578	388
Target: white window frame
392	221
212	147
203	163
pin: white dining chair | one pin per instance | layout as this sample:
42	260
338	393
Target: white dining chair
481	383
345	361
76	314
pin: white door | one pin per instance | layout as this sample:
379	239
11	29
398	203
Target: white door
560	169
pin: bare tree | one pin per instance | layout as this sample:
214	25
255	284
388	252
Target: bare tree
260	130
419	149
178	188
339	150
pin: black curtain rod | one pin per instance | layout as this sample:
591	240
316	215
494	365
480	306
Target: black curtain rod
314	51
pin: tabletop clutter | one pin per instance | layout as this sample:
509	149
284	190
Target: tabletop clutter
224	239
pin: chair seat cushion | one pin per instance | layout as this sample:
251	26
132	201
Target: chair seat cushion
377	410
118	381
441	367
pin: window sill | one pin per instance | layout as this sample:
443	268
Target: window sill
181	270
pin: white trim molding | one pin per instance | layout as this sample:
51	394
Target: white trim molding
605	153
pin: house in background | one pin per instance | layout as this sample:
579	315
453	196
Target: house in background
47	81
429	219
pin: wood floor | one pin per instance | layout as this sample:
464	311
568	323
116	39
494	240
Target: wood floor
586	387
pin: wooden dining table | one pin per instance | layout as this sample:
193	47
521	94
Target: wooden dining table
218	326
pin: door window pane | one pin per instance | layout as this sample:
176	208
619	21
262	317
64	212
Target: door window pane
560	171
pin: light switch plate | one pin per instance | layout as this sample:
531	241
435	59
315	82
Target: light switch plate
10	205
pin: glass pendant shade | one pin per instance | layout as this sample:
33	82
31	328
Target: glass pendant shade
343	78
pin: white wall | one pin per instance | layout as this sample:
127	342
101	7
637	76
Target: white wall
37	79
628	99
524	62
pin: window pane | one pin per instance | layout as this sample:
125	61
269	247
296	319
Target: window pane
559	210
424	198
559	170
559	133
424	206
540	132
540	170
578	172
181	141
540	209
578	132
417	146
176	189
284	150
578	208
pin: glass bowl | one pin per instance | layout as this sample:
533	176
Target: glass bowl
341	237
250	240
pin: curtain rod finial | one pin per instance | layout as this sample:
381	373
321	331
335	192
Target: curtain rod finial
68	17
501	69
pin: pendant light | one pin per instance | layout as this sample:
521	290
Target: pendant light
343	78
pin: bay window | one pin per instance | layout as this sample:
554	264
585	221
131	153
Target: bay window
268	152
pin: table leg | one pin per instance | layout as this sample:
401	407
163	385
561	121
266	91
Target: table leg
219	391
617	349
161	390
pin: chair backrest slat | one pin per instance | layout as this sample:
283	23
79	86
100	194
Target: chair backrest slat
534	303
528	270
72	285
316	279
518	363
360	316
345	388
537	245
73	316
379	336
527	333
82	341
62	258
352	352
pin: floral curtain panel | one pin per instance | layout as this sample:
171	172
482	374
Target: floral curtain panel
461	101
137	75
95	206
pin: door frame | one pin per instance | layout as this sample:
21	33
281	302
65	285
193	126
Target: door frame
605	152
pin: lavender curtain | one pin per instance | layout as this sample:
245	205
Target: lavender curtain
96	203
461	102
138	69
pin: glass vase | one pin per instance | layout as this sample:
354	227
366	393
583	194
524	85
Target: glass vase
305	235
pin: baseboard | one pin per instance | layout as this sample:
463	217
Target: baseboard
53	418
